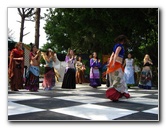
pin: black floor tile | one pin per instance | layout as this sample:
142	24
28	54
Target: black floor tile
48	103
140	117
127	105
45	115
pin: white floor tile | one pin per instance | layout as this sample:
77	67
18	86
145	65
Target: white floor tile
141	100
153	111
83	99
138	94
22	96
94	112
14	109
78	92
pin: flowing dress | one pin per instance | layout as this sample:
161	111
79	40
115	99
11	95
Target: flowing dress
129	72
145	78
49	76
16	69
118	87
95	73
32	78
69	79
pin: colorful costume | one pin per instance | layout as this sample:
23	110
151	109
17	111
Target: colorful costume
79	72
49	76
32	78
118	86
94	73
16	69
145	78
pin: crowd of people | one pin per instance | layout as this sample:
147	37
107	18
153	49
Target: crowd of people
119	73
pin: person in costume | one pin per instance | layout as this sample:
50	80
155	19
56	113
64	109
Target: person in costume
129	71
146	73
79	71
69	80
32	80
16	67
49	74
94	71
118	87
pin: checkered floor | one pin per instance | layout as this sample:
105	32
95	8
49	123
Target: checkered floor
82	104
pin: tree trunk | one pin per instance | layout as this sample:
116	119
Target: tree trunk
37	27
22	29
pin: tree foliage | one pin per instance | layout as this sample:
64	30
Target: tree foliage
94	29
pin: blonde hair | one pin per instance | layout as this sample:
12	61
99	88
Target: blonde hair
147	56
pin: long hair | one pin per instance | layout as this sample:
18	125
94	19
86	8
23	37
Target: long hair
68	52
146	56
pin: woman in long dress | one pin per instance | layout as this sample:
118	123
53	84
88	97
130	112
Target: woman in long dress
118	87
16	67
129	71
32	80
69	80
79	71
146	74
94	71
49	74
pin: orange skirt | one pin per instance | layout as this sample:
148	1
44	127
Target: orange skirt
112	69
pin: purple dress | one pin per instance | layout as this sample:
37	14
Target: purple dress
94	73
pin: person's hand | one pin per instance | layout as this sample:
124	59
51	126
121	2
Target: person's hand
75	56
38	52
99	60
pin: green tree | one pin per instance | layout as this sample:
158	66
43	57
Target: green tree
94	29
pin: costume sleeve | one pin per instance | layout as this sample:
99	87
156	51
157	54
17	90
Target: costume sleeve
11	64
92	63
68	60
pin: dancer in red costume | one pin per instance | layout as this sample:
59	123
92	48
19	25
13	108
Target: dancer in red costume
118	87
16	67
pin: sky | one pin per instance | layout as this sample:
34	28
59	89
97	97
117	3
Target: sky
14	25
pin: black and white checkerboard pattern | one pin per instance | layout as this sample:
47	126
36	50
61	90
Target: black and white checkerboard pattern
82	104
